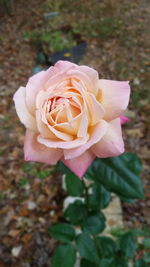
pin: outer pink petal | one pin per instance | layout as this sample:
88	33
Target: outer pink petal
98	132
80	165
35	84
33	151
94	77
22	111
61	69
63	65
115	97
111	144
124	119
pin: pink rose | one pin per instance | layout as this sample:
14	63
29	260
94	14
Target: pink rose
71	115
124	119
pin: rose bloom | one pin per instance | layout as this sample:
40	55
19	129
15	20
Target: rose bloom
71	115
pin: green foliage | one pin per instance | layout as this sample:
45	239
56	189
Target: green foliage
140	263
94	224
63	232
76	212
117	175
127	244
118	261
31	169
99	198
28	167
63	169
75	29
133	162
106	246
23	182
107	27
116	232
44	173
74	186
53	41
86	263
87	248
146	243
147	257
64	255
57	40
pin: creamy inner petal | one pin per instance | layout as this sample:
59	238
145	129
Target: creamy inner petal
96	110
64	145
70	127
96	133
69	109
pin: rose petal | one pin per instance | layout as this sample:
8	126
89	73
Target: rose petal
63	144
34	151
63	65
22	111
69	127
82	77
115	97
124	119
94	77
61	135
111	144
98	132
80	164
83	127
43	128
96	110
35	84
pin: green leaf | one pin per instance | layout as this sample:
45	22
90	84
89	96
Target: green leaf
94	224
136	232
133	162
105	262
116	232
100	197
64	255
116	176
63	169
147	257
87	248
74	185
140	263
146	231
86	263
119	262
62	231
146	242
76	212
106	246
127	200
128	245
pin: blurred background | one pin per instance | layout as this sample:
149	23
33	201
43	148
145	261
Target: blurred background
111	36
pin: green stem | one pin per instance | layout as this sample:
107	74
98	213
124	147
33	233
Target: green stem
86	195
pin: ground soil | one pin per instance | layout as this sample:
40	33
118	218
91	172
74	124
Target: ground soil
29	201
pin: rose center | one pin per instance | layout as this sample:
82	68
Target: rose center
62	109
